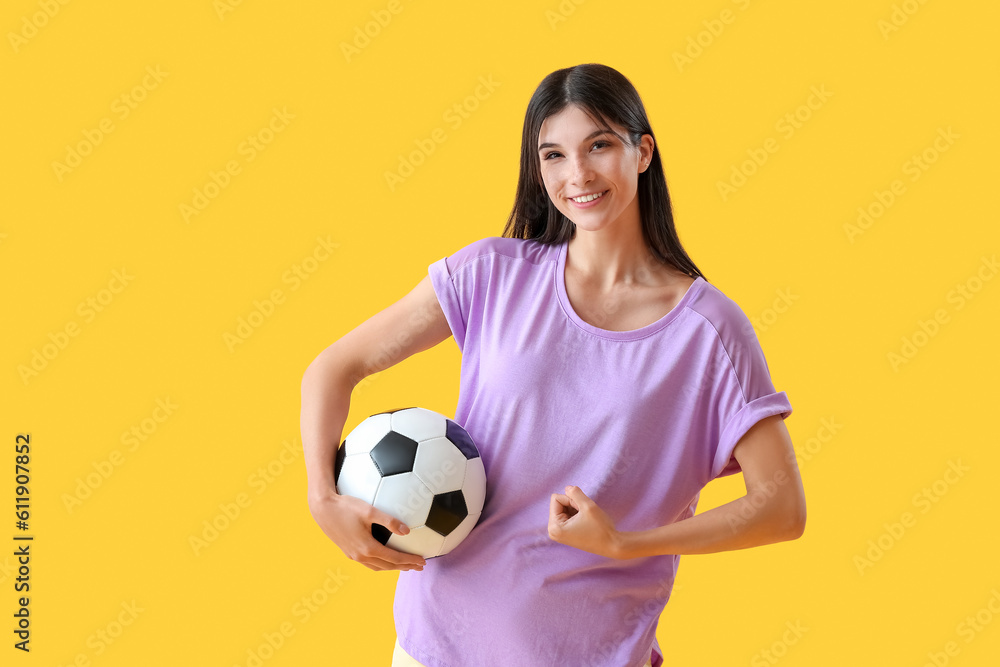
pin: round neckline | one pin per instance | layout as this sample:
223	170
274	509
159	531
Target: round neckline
632	334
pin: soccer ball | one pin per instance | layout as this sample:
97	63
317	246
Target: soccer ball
419	467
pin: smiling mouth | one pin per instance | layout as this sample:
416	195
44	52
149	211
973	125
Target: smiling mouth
588	198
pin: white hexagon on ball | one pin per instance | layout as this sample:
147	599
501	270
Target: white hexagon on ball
367	434
440	465
359	478
420	540
404	497
418	424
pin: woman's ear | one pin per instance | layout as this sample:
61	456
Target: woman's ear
646	146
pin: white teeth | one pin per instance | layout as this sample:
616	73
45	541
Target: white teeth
587	198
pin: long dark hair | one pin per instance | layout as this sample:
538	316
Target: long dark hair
606	95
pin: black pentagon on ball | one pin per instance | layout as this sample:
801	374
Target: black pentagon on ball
381	533
447	511
460	437
339	463
394	454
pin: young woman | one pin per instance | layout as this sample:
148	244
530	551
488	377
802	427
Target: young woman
605	381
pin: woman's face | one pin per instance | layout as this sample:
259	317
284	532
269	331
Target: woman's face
578	158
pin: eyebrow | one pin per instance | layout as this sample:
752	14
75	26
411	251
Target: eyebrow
596	133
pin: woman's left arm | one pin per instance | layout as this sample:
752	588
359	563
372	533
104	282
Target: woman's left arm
773	509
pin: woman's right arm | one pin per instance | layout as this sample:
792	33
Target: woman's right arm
412	324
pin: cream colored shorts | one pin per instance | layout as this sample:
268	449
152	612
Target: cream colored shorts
401	659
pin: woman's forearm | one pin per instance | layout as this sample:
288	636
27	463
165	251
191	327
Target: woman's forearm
326	399
739	524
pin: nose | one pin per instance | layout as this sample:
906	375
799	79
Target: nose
581	172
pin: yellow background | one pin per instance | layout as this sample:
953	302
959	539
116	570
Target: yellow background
163	336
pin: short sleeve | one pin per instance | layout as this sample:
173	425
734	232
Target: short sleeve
449	298
459	286
746	393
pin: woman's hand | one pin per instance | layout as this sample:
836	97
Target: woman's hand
348	522
575	520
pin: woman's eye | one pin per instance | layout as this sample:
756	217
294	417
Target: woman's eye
596	143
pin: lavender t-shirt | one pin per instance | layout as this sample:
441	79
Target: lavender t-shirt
640	420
